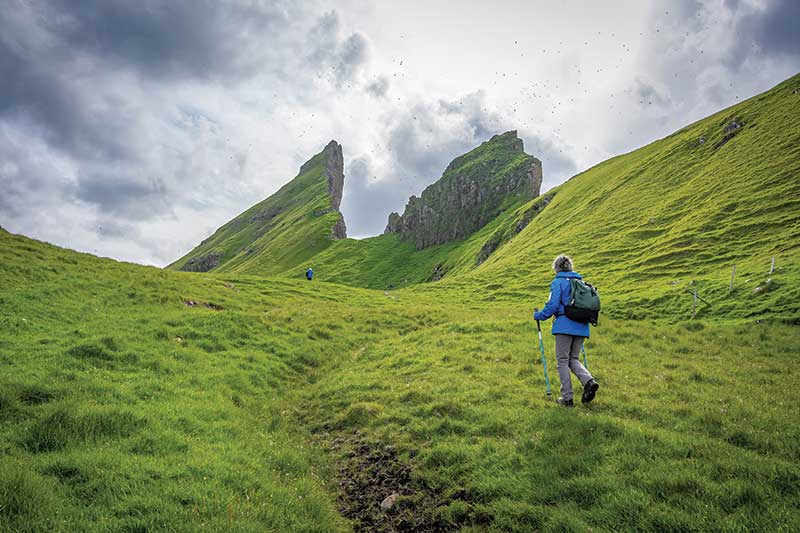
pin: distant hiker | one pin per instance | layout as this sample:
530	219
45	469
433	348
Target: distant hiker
309	274
569	334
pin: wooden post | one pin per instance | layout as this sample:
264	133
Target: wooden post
694	303
772	266
733	275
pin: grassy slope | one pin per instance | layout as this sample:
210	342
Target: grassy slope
647	227
650	225
123	408
384	261
284	242
646	224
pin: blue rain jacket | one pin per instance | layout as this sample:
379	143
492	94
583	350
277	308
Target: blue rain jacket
559	297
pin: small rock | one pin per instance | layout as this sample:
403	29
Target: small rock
389	501
733	125
701	141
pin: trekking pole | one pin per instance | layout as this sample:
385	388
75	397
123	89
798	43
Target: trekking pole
544	359
583	350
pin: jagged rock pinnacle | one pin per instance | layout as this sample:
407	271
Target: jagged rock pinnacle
470	193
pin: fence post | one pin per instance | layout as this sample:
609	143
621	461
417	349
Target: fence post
733	275
772	266
694	303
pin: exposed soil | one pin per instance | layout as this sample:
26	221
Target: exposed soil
374	473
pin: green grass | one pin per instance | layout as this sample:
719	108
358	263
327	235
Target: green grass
280	233
125	409
139	399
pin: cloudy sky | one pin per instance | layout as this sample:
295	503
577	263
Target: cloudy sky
134	129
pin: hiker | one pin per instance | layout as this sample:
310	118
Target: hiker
309	274
569	334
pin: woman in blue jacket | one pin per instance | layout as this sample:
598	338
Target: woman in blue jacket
569	334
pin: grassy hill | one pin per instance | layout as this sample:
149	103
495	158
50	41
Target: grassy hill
281	232
677	214
135	399
648	227
139	399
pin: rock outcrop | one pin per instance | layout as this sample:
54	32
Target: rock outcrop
202	264
339	230
334	173
334	176
472	191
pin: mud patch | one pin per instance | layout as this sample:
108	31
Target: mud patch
372	474
209	305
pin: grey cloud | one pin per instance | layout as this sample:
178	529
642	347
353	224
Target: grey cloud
175	38
27	179
61	57
379	87
648	94
775	28
352	54
41	97
366	202
732	5
710	54
96	82
430	135
127	196
109	228
330	55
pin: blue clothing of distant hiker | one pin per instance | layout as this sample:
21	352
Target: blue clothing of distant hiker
309	274
569	334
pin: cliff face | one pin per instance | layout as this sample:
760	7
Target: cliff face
474	188
334	173
288	227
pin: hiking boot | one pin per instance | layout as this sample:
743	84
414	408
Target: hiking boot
589	390
564	403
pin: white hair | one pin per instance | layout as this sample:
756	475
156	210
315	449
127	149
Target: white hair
562	263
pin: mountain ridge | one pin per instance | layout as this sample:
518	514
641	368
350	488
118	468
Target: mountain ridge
472	190
286	228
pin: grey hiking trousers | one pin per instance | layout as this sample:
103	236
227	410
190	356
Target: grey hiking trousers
568	349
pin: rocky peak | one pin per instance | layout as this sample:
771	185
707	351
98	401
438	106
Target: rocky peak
472	191
334	174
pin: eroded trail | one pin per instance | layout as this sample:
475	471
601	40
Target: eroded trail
438	412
